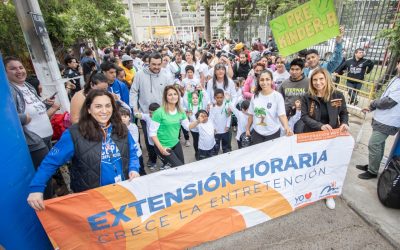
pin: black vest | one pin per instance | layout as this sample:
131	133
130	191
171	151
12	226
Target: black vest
86	170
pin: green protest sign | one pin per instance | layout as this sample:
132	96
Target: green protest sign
309	24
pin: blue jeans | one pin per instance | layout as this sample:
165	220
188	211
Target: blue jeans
353	93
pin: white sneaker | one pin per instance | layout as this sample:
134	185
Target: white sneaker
330	203
187	144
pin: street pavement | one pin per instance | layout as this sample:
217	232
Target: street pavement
359	221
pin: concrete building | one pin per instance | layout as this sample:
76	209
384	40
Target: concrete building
173	19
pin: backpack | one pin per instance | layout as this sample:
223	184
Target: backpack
389	184
59	123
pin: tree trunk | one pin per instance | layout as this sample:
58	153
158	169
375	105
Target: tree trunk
242	25
207	21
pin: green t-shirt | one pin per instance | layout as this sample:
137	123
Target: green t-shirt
168	132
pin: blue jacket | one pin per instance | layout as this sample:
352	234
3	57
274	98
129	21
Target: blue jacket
63	152
333	63
119	88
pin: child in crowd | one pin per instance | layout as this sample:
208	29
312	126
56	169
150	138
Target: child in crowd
242	118
193	102
239	82
133	130
206	140
296	117
221	118
189	83
152	163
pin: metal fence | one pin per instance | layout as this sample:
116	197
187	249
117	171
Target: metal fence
363	21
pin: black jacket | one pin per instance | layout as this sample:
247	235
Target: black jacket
311	112
356	69
85	170
241	70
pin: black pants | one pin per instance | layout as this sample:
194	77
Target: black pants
195	136
175	158
204	154
239	144
224	140
150	148
257	138
37	158
185	134
141	169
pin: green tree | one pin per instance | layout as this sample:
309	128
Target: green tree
69	23
392	34
260	113
11	38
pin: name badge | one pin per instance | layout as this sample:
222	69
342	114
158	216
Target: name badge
117	178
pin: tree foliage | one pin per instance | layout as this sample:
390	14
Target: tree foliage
68	22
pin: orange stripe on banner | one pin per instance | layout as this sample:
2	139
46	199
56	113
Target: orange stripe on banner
70	210
189	223
320	135
197	231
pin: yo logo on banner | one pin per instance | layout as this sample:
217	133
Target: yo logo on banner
301	199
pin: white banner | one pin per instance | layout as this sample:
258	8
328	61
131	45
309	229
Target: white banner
203	200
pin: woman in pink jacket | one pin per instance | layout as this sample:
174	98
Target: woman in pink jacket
251	81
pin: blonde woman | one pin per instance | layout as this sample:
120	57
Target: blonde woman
323	109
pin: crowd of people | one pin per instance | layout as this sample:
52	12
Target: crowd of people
164	90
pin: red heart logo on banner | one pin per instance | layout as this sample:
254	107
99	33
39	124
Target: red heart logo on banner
308	195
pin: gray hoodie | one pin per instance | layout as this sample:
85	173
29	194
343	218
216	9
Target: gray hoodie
147	88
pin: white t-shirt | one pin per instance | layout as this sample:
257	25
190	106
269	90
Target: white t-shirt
134	131
242	119
230	89
266	111
175	67
219	118
167	71
36	109
190	84
390	116
147	119
196	69
279	78
206	135
226	48
205	69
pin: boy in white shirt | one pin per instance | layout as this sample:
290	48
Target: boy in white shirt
189	83
152	162
242	118
206	135
221	118
133	130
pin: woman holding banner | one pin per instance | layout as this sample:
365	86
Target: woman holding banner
101	149
267	112
324	108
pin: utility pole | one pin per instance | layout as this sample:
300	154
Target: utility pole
41	51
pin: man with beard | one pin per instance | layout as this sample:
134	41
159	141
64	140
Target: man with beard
147	88
241	68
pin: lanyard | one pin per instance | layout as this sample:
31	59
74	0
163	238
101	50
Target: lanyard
108	142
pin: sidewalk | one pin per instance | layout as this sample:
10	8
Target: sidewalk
361	195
